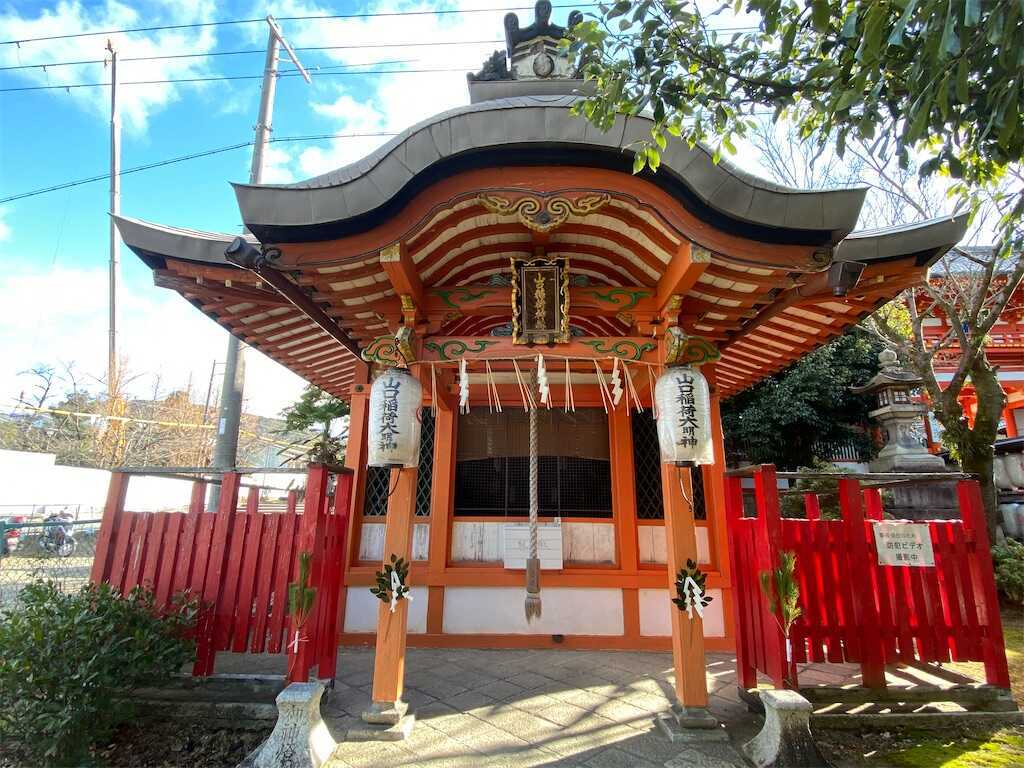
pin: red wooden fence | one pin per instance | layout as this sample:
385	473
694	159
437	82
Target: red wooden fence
239	564
853	609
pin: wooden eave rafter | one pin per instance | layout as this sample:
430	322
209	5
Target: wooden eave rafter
430	266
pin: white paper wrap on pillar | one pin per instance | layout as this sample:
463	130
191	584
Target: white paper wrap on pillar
394	424
684	417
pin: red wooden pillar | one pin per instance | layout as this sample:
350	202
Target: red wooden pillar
442	503
113	512
1011	423
389	656
681	545
859	560
983	582
746	672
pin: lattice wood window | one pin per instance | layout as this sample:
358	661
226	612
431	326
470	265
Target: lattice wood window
375	499
647	472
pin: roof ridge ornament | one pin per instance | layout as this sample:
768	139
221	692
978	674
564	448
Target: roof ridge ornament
533	52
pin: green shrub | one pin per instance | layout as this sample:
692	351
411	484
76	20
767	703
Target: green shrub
826	488
70	661
1008	561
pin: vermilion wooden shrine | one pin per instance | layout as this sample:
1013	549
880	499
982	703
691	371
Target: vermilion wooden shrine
407	258
1004	347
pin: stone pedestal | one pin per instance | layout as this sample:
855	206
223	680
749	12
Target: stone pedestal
385	721
300	738
785	740
689	724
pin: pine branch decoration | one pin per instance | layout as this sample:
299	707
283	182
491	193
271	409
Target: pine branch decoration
684	597
301	596
396	570
782	592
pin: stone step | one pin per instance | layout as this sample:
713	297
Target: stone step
918	720
974	693
217	688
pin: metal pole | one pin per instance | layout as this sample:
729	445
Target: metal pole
115	209
225	449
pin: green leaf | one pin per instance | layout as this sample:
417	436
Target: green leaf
963	94
821	15
653	158
972	13
846	99
639	161
619	8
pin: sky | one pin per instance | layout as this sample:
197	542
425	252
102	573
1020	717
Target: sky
54	247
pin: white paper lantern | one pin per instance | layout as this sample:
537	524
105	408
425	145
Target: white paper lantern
394	424
684	417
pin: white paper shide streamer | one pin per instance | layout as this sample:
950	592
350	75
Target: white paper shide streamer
396	585
463	387
542	382
693	597
616	383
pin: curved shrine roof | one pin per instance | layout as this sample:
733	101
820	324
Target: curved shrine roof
538	130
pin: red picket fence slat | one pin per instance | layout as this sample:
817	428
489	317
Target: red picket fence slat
239	563
853	609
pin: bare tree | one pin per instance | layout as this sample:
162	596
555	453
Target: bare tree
970	288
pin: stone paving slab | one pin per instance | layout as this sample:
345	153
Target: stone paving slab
520	709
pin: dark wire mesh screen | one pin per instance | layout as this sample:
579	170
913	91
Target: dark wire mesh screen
425	478
375	500
566	487
647	472
492	483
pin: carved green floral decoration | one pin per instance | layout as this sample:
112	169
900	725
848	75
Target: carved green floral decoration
384	350
453	349
623	348
623	298
456	297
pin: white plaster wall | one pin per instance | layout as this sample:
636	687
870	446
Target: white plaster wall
588	543
656	612
651	539
566	611
483	542
371	542
361	610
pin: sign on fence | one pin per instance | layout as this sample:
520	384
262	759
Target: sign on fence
904	544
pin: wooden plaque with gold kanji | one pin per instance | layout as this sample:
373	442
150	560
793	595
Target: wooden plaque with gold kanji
540	301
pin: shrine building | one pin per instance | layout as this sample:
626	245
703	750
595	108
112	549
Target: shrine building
504	248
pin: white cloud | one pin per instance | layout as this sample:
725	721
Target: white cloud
386	103
163	337
5	228
137	102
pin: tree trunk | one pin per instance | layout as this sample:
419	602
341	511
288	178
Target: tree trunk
972	446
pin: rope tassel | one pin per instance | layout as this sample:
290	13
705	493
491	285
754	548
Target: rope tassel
533	606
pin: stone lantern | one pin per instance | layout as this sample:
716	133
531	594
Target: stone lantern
900	419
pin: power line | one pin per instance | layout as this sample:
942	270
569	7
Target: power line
223	78
443	43
192	156
312	17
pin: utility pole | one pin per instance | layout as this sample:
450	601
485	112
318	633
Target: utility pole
225	449
115	209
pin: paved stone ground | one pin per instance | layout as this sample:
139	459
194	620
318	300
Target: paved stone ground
491	708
